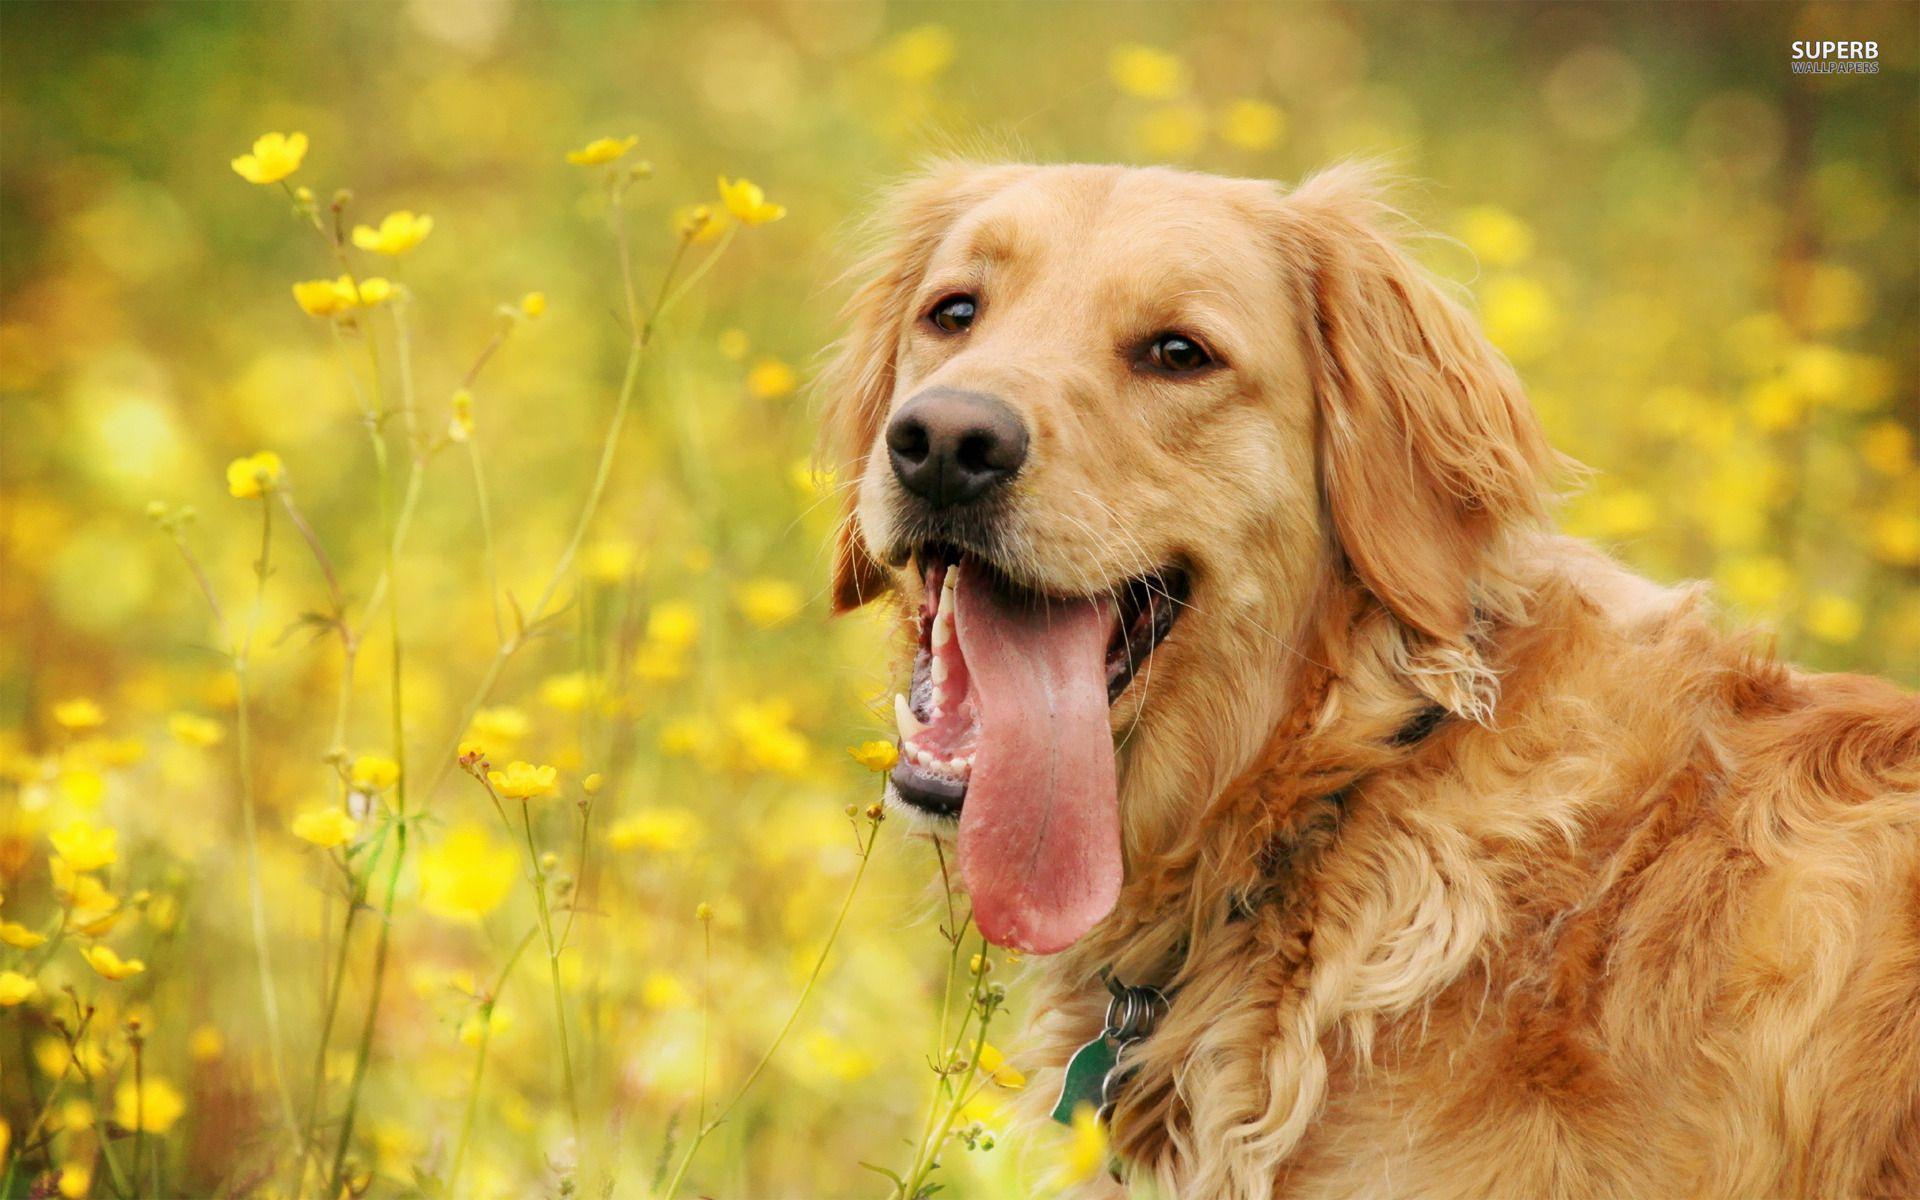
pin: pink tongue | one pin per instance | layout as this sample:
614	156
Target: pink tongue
1040	830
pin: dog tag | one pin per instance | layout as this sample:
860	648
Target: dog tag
1086	1079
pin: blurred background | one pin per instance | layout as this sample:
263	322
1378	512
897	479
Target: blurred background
1705	267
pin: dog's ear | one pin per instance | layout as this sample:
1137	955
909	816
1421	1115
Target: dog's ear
1428	449
857	385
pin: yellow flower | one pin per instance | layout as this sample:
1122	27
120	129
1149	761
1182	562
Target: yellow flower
193	730
94	908
748	203
275	156
495	1023
110	965
525	781
1833	618
611	561
875	756
703	912
1252	125
533	305
325	827
918	55
398	233
766	737
206	1043
254	475
698	223
328	297
1087	1153
661	990
995	1065
568	693
499	726
78	713
769	602
1896	537
771	379
1520	315
673	623
320	298
54	1059
75	1181
460	416
664	830
75	1115
601	150
85	846
466	875
152	1107
1496	236
1147	73
372	773
16	988
15	934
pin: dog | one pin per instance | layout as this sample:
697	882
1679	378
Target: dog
1247	668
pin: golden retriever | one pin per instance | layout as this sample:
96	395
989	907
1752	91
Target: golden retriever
1247	666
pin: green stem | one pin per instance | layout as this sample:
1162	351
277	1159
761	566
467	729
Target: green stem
336	985
927	1154
813	976
480	1063
249	819
553	969
365	1050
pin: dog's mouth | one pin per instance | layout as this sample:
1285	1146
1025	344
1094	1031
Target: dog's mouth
1005	729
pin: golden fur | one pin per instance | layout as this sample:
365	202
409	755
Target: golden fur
1642	918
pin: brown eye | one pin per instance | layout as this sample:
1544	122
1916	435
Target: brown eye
1178	353
953	314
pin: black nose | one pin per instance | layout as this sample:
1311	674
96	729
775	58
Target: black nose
949	447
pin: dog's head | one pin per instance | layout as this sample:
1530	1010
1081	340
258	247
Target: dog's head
1111	433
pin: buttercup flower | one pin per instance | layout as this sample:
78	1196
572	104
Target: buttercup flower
194	730
460	416
110	965
15	934
698	223
467	874
525	781
151	1107
601	150
875	756
330	297
748	203
254	475
769	602
398	233
78	713
85	846
995	1065
275	156
533	305
771	379
1147	73
16	988
371	773
325	827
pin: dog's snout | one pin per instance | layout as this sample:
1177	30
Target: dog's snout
950	447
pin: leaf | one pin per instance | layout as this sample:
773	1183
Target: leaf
898	1182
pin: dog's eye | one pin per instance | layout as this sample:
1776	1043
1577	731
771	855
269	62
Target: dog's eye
953	314
1178	353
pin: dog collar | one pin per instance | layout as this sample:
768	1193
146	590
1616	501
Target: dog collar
1093	1075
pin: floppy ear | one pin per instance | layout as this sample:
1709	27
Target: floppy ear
1428	449
857	384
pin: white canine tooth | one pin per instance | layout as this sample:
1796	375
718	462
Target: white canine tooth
939	697
925	758
939	669
951	578
939	714
942	632
903	718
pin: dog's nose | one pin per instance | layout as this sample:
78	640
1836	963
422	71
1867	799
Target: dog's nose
949	447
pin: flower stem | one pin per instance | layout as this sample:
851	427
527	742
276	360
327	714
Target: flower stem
833	934
553	968
480	1063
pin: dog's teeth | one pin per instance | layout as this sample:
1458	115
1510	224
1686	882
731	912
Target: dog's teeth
939	697
903	718
942	632
939	714
939	669
949	580
964	762
925	758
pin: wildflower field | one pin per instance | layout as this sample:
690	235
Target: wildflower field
427	767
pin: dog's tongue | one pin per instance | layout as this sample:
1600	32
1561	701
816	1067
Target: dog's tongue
1040	830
